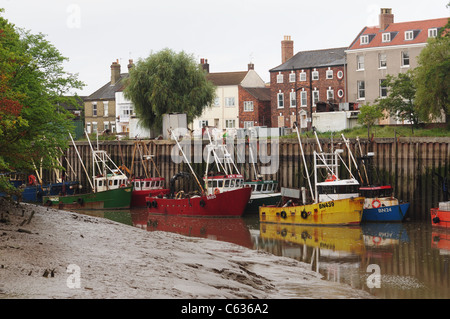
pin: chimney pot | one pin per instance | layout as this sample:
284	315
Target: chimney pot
287	48
251	66
386	18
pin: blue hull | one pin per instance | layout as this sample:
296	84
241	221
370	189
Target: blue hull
34	194
394	213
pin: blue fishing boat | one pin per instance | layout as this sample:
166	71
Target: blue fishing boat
381	206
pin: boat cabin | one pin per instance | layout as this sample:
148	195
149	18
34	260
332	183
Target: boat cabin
262	187
338	189
110	181
148	183
224	183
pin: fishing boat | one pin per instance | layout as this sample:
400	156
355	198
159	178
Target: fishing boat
440	215
380	205
223	194
334	201
110	187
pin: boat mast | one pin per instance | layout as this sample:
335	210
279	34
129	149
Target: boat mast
82	164
304	162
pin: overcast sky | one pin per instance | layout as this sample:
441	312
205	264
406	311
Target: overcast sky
229	33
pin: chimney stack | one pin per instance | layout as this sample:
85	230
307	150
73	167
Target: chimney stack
204	64
251	66
130	65
386	18
115	72
287	48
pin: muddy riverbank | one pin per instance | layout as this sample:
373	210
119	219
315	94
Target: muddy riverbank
47	253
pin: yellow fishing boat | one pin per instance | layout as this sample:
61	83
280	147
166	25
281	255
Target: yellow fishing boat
347	211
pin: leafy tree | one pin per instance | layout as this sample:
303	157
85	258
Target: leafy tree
400	102
168	82
33	125
369	115
432	78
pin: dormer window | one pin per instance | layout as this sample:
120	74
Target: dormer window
386	37
432	33
364	39
409	35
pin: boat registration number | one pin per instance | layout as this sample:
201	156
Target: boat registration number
54	198
211	196
385	210
326	204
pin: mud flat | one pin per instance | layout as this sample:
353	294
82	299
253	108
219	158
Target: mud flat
51	254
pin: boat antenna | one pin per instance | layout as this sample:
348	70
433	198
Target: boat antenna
185	158
304	161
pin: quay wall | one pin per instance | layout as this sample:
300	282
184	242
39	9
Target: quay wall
410	165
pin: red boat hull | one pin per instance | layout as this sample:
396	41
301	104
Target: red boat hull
440	218
138	197
226	204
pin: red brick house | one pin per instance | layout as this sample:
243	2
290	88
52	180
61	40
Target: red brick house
304	81
254	107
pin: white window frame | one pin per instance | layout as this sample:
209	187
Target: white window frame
105	108
230	101
230	123
360	63
280	78
315	75
329	74
248	124
302	76
316	97
248	106
293	99
405	57
382	61
409	35
88	127
216	101
94	127
383	88
303	98
340	93
364	39
432	32
292	77
280	100
202	123
105	125
340	74
361	92
386	37
94	109
330	94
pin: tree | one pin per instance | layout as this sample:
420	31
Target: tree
33	126
168	82
369	115
432	78
400	102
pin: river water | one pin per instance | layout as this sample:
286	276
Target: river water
389	260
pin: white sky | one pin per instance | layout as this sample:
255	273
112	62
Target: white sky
229	33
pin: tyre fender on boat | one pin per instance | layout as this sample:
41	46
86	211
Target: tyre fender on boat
80	200
283	214
304	214
376	203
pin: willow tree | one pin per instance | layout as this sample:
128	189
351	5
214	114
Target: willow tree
168	82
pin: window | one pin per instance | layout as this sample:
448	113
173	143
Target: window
229	101
303	76
303	98
409	35
280	99
382	61
292	77
216	101
94	127
230	123
329	74
280	78
340	93
88	128
364	39
405	58
248	124
383	88
386	37
432	33
106	126
293	99
248	106
94	109
315	97
340	75
361	90
202	123
360	62
315	75
330	94
105	108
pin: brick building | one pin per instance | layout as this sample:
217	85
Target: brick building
254	107
306	82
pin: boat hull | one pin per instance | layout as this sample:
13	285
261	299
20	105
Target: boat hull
118	198
226	204
257	200
339	212
394	213
138	196
440	217
34	193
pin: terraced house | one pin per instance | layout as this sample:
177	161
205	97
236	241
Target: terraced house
389	48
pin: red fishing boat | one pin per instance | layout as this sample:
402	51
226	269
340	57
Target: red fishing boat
144	187
440	216
223	195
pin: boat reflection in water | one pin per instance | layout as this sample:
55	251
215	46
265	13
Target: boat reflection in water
231	229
